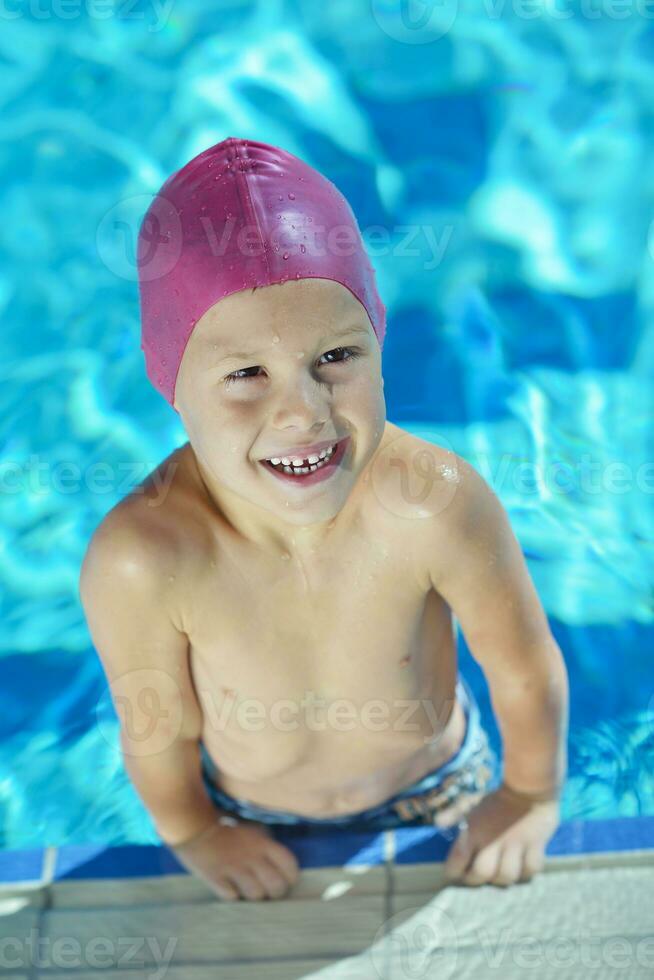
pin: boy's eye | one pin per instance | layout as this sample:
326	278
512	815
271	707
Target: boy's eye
238	375
241	374
350	351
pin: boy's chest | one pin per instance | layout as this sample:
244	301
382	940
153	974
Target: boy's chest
361	628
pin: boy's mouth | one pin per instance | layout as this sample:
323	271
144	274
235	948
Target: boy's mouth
310	469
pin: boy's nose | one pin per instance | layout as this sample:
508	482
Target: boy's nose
303	403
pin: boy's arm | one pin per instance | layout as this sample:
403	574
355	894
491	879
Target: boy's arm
477	565
145	658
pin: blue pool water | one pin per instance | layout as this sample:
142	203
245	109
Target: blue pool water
520	332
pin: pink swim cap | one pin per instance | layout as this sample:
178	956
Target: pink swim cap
238	215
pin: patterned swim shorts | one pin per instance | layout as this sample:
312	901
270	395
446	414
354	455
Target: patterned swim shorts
470	770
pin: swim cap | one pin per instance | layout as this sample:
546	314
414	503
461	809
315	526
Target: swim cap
240	214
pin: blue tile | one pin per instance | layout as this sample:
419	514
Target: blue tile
415	845
21	865
100	861
618	834
596	836
568	838
317	848
422	844
320	848
313	849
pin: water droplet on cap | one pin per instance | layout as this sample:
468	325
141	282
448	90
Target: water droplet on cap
291	197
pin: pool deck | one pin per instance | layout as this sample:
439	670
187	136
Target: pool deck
366	907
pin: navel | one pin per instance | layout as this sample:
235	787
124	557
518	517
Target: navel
405	660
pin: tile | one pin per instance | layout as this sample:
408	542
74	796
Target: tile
19	931
21	866
320	848
330	884
512	964
424	877
222	930
319	883
566	906
287	969
428	876
468	934
314	848
600	859
109	892
413	845
474	964
616	834
573	837
99	861
14	897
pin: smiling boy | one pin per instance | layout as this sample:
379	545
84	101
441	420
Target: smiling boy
277	628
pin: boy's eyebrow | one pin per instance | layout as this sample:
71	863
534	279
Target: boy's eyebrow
223	354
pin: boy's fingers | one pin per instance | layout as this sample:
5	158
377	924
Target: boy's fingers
483	867
452	814
534	861
285	860
271	878
459	856
445	818
225	891
248	883
509	866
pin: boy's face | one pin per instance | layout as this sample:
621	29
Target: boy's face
266	374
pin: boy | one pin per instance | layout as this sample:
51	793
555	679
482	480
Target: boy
306	552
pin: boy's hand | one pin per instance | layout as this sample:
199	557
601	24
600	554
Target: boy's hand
504	841
239	861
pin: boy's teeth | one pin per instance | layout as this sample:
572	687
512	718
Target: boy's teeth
294	465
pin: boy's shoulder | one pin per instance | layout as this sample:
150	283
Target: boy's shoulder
429	492
418	479
151	526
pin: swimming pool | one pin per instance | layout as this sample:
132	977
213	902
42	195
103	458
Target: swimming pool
520	326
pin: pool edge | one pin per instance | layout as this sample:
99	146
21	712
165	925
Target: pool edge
33	869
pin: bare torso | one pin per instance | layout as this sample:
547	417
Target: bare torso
328	684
